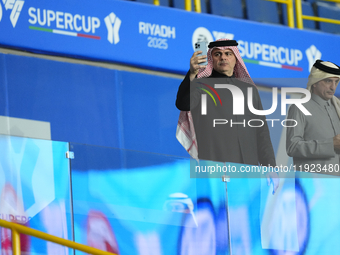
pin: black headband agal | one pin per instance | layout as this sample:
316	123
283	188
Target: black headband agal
222	43
318	64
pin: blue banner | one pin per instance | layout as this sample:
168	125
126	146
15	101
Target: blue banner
155	37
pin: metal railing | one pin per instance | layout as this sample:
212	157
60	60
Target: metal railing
197	4
290	11
187	5
18	229
300	17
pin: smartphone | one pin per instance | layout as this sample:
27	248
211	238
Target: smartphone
202	46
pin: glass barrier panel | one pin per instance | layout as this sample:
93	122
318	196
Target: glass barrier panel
131	202
35	192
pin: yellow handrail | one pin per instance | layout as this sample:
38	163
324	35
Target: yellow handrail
156	2
187	5
298	9
197	6
300	17
19	229
197	3
290	10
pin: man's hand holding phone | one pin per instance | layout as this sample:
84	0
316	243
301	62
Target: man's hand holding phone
198	59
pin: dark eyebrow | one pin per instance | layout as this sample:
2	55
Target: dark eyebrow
331	80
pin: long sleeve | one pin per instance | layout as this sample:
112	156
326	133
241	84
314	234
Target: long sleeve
299	147
266	155
183	94
189	94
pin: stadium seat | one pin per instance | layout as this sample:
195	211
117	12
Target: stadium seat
180	4
307	9
263	11
327	11
309	1
161	2
230	8
314	1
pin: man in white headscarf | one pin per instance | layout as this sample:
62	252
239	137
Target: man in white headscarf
314	143
238	143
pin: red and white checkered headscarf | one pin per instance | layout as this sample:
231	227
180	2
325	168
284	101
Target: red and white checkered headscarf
240	70
185	132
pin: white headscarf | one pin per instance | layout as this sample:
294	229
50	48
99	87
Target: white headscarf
317	75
